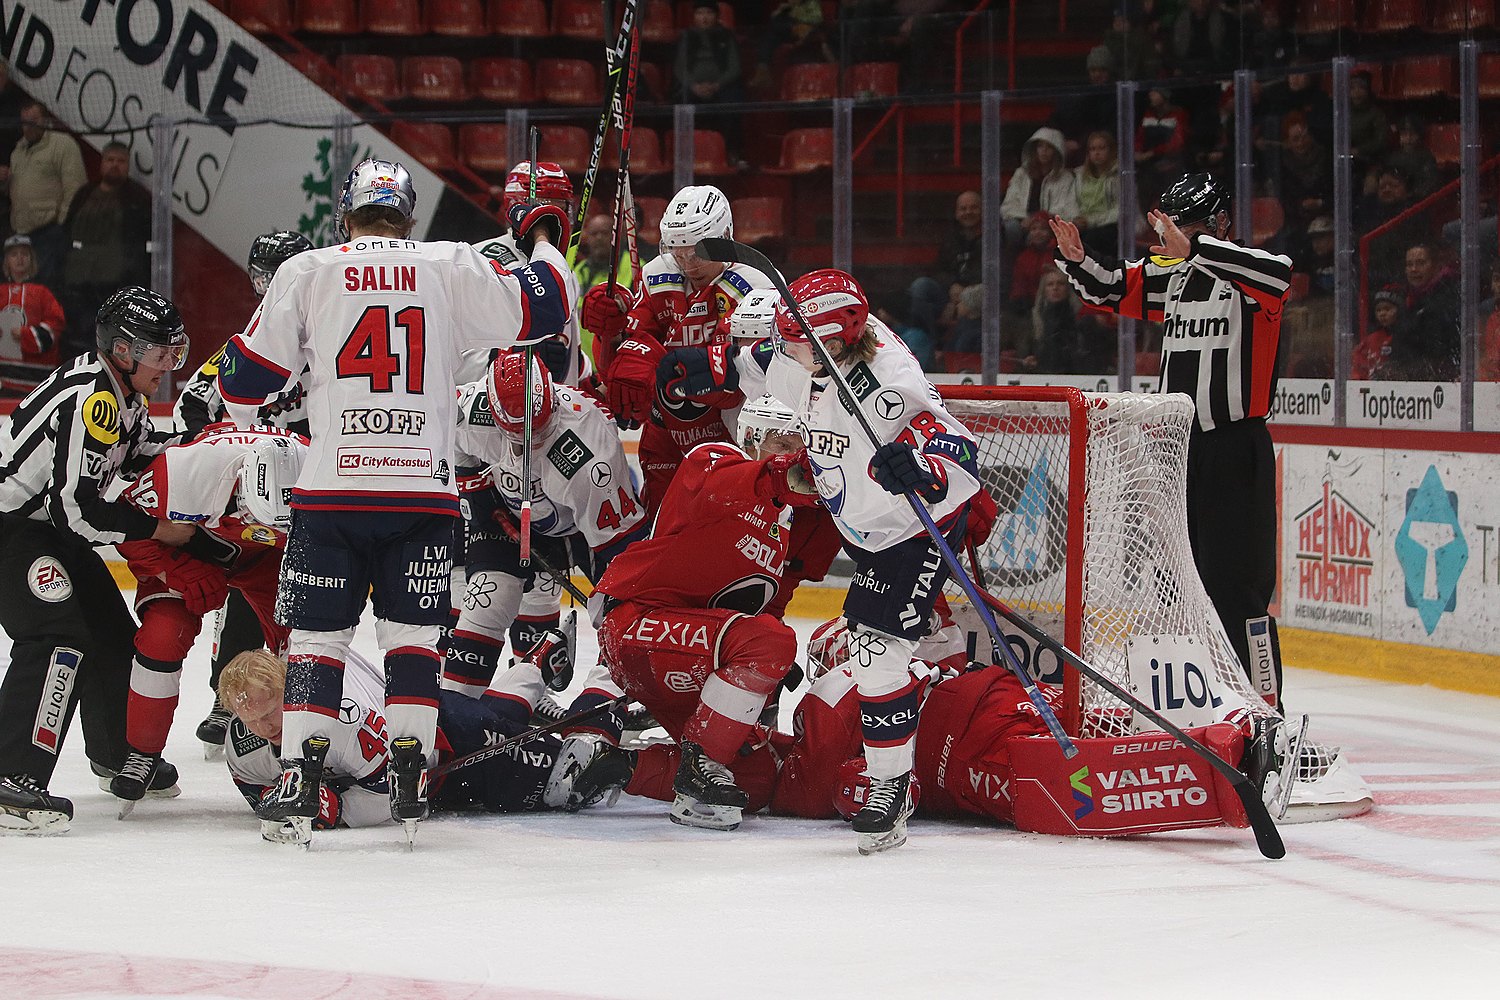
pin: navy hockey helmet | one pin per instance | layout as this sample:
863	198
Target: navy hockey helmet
270	251
148	323
1195	199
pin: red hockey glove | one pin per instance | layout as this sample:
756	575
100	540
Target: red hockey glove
900	469
697	371
983	512
631	379
788	480
203	586
602	315
524	218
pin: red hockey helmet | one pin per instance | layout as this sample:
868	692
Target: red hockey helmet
552	185
507	392
832	303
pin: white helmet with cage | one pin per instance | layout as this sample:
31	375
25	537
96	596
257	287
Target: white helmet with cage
696	212
761	417
267	475
374	182
755	317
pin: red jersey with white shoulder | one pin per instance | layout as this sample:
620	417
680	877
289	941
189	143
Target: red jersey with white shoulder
580	478
196	481
667	307
381	324
901	405
356	763
716	542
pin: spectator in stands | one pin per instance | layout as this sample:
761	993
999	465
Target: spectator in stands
1425	344
1064	338
707	69
1160	144
1299	93
1094	110
794	23
1098	219
1042	183
934	300
1391	197
1314	257
1374	349
1034	259
109	236
916	339
1269	43
1200	39
11	103
1129	41
1369	131
1488	358
46	170
967	331
1412	157
1306	182
31	323
1387	252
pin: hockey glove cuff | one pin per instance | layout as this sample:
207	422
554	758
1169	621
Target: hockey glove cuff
602	315
899	469
688	372
631	379
524	219
202	585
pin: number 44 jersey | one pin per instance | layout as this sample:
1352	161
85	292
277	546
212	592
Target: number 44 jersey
380	324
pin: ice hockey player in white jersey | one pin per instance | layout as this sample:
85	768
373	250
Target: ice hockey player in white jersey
381	322
898	570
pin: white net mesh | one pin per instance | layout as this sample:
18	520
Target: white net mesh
1091	542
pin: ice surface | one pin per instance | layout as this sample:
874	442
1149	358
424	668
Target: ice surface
183	899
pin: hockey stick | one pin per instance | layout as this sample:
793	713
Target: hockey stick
614	65
499	748
1266	835
624	114
563	580
727	250
526	421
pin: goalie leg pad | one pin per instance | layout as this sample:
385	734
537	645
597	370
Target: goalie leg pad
1145	783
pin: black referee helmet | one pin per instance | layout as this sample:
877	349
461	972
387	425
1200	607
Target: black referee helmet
1195	199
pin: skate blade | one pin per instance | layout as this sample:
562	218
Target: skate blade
875	843
213	751
409	828
33	823
1278	796
127	806
690	812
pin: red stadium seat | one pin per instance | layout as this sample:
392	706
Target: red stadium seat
653	84
1458	16
1489	74
649	211
580	19
483	146
804	150
657	25
328	17
1445	142
434	78
1389	16
370	78
456	18
645	152
810	82
567	145
1266	219
264	17
568	81
710	157
757	219
519	18
504	81
393	17
874	79
1428	76
431	145
1323	16
314	67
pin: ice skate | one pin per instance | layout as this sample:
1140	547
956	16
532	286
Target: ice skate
1271	760
288	812
213	730
408	779
553	653
27	809
141	775
707	797
588	768
881	824
547	710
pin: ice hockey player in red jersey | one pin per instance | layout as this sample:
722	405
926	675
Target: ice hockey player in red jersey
235	485
680	303
682	622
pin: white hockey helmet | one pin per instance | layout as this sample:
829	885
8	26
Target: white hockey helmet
761	417
267	475
755	316
374	182
695	212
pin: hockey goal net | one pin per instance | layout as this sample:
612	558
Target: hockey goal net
1091	544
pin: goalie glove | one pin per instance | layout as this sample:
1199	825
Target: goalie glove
899	469
524	218
631	379
203	586
788	480
687	372
602	315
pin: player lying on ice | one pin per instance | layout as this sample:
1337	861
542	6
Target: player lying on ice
353	790
981	750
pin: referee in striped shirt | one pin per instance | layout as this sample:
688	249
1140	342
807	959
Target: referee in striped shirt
72	634
1220	306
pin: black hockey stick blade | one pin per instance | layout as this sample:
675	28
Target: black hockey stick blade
1267	837
488	752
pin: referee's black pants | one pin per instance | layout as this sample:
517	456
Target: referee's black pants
1231	510
72	642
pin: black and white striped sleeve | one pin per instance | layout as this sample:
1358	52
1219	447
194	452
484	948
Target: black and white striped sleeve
80	463
1136	288
1259	274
